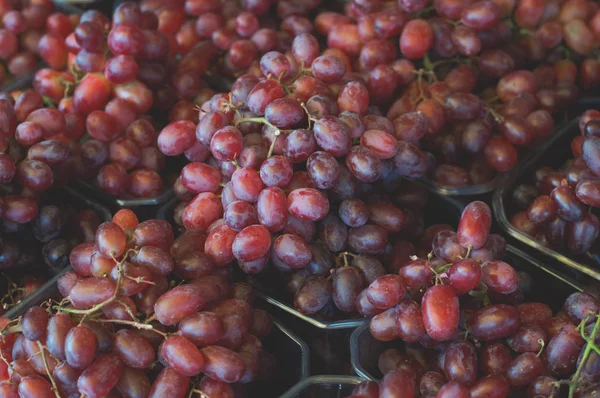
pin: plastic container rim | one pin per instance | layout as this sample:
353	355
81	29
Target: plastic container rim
322	379
502	219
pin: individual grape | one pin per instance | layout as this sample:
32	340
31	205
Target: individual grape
464	275
398	383
386	291
292	251
569	207
440	312
276	171
222	364
347	283
323	169
494	322
169	382
179	302
271	208
491	386
416	39
495	358
499	277
182	355
252	243
409	321
474	225
313	295
446	245
101	376
460	362
34	323
368	239
80	347
307	204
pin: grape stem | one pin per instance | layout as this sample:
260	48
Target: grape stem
201	393
586	353
43	354
137	325
110	300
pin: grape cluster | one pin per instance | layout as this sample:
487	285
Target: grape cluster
555	207
468	330
29	32
125	312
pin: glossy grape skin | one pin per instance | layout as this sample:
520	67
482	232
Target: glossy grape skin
58	327
474	225
386	292
34	323
223	364
582	234
446	245
580	305
499	277
308	204
186	298
169	383
409	321
569	207
494	322
560	356
80	347
494	358
347	283
91	291
292	251
524	369
492	386
312	296
464	275
101	376
398	383
440	312
460	363
368	239
134	350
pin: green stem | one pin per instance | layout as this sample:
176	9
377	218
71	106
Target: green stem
586	353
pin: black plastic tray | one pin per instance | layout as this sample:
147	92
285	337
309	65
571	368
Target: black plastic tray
324	387
547	286
554	153
291	352
76	200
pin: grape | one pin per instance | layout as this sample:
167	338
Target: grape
179	302
313	295
347	283
386	292
494	322
495	358
307	204
292	251
440	312
409	321
474	226
460	362
464	275
80	347
527	339
101	376
222	364
398	383
134	350
491	386
34	323
169	382
182	355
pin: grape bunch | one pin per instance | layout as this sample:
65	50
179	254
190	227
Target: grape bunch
467	329
30	30
554	208
141	315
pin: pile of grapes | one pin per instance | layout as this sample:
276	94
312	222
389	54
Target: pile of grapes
127	325
556	206
468	331
288	130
